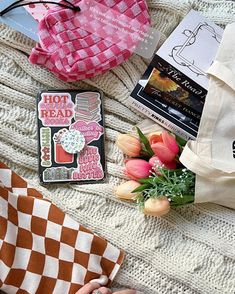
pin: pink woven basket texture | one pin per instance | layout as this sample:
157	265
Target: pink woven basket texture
72	53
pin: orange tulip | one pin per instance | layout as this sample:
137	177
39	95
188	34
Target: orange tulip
157	206
124	191
129	145
155	137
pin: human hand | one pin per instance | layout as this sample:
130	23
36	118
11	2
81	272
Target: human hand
126	292
95	288
88	288
104	290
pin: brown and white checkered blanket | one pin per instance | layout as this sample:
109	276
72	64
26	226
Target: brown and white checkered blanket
43	250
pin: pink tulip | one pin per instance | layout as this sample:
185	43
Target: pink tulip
156	162
167	149
137	169
170	142
162	152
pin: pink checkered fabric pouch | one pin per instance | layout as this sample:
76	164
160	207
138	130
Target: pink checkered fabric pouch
72	53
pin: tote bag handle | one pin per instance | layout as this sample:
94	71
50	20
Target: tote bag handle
200	166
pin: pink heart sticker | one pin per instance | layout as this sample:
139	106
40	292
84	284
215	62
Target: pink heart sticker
91	131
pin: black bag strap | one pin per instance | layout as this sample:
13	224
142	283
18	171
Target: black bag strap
19	3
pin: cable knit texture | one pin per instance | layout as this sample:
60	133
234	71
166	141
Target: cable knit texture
192	249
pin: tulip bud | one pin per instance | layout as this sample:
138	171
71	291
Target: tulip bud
154	137
163	152
170	142
157	206
137	169
124	191
129	145
165	146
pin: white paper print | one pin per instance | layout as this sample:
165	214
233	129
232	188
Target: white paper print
192	47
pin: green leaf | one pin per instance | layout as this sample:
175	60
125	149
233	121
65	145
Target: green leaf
182	200
142	188
147	148
180	141
173	172
146	180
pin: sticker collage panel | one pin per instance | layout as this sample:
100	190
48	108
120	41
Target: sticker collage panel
71	136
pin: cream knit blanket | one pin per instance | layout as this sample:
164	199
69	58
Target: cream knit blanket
192	250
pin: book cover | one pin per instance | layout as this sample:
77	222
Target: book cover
19	19
39	10
172	91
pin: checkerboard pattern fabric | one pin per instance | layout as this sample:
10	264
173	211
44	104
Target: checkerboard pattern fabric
71	52
43	250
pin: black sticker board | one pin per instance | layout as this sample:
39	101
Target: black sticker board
70	136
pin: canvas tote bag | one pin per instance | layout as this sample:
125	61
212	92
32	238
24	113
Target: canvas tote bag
212	156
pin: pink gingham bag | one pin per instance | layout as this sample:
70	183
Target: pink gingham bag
71	52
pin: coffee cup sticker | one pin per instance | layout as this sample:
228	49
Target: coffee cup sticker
61	156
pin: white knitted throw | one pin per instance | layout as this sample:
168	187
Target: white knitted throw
191	250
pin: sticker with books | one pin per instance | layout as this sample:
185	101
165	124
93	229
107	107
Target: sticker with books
71	136
172	91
